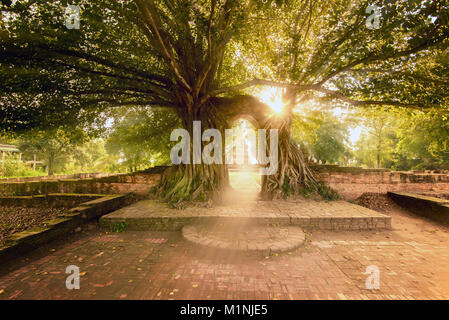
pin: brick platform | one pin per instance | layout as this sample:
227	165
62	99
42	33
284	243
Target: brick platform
305	213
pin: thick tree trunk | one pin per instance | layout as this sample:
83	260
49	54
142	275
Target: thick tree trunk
196	182
189	182
293	175
51	161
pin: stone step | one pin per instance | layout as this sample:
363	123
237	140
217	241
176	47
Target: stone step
335	215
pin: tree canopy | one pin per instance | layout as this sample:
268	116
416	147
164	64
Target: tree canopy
183	53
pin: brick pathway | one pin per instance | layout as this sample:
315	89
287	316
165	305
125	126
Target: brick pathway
413	260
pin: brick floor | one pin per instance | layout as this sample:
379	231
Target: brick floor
413	260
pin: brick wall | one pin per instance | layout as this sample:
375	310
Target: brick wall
59	177
349	182
353	182
140	184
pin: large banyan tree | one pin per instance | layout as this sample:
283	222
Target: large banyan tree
200	58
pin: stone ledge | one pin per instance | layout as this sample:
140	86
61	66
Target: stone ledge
27	240
51	199
139	183
429	207
177	223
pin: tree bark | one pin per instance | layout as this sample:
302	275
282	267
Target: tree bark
51	161
196	182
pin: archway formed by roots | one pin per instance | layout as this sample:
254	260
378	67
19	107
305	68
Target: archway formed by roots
293	173
206	181
243	168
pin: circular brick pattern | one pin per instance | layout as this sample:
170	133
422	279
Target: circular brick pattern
245	238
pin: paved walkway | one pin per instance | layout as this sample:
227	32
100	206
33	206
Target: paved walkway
413	260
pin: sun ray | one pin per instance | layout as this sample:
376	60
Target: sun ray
272	97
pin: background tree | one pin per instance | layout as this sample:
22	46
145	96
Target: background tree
324	134
423	140
92	156
141	137
53	147
377	143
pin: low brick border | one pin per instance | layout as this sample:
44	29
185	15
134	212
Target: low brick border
51	199
138	183
430	207
27	240
293	240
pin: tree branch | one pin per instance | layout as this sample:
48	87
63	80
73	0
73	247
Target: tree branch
339	96
329	93
370	58
148	12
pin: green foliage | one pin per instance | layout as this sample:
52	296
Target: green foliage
52	146
141	137
92	156
377	142
423	140
51	75
118	227
324	134
320	190
286	188
12	168
404	140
